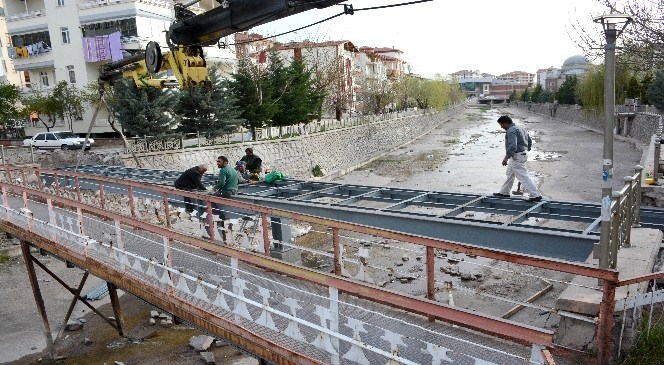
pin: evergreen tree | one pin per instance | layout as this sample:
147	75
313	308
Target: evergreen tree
253	90
525	96
145	111
633	88
567	92
227	116
513	95
546	96
645	84
537	94
281	80
655	91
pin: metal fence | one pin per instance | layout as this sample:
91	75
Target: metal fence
402	301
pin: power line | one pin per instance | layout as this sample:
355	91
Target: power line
348	9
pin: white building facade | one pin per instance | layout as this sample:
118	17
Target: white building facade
68	40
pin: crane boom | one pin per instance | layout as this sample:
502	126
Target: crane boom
190	32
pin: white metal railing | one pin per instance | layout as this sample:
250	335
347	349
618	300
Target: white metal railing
26	15
625	213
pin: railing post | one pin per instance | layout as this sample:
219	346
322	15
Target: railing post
266	235
32	155
337	251
51	219
655	167
616	223
132	207
605	234
57	184
78	188
629	203
637	195
101	195
198	139
2	154
167	210
431	277
211	228
605	324
40	183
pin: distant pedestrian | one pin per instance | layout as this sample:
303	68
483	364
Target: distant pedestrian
190	180
254	163
517	143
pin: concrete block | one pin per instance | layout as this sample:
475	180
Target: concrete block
208	357
201	343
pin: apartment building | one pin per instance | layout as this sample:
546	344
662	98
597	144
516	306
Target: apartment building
56	40
7	72
335	61
518	77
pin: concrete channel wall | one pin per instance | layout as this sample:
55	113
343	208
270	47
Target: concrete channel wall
641	127
333	151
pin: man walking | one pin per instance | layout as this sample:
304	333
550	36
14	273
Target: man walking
517	143
191	180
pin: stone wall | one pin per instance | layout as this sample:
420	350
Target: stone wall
641	127
332	150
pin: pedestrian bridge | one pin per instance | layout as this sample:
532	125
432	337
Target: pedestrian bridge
348	308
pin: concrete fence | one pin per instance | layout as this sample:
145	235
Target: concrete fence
331	150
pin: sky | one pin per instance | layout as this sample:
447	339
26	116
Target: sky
445	36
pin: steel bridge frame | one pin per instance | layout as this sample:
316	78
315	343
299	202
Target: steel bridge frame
242	337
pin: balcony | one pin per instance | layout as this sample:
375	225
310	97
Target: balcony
30	20
35	62
100	10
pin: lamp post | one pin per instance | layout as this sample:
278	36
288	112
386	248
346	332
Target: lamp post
613	25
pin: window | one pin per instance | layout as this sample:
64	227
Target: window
44	78
61	2
51	137
65	35
72	74
41	137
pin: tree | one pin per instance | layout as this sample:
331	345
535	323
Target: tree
546	96
9	102
641	41
655	92
566	94
590	88
227	114
633	88
300	102
645	84
44	104
145	111
537	94
377	94
525	96
71	103
512	96
253	90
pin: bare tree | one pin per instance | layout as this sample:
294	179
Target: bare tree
642	42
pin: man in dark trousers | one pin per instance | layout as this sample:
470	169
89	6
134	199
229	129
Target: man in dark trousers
190	180
254	163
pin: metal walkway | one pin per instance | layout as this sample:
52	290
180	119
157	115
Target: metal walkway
563	230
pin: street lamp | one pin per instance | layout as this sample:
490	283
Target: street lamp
613	25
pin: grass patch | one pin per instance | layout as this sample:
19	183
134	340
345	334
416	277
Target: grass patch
4	257
649	350
485	108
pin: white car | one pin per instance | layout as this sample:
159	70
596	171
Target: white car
64	140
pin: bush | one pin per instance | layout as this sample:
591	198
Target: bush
317	171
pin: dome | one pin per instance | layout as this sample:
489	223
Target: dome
576	60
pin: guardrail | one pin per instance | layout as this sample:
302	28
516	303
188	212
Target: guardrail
157	209
625	213
152	144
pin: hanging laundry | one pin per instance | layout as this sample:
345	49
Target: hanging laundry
103	50
115	46
11	52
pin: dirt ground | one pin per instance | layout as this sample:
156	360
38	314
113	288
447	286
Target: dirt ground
462	155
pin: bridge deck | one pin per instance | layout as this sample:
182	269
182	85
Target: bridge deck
563	230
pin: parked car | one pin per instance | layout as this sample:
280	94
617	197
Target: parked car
65	140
